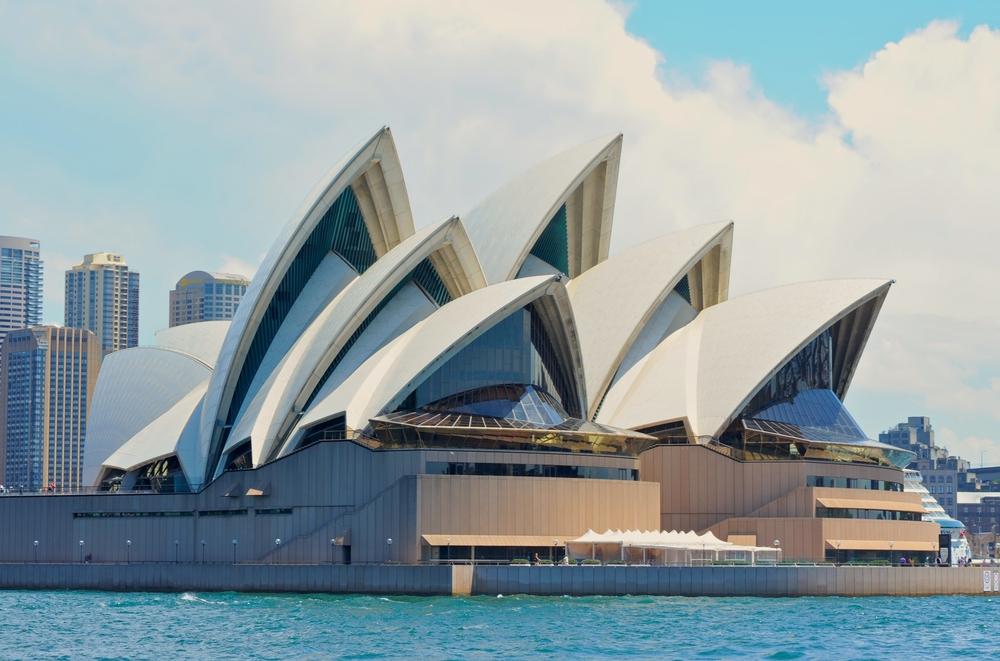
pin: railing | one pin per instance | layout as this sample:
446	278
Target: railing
91	490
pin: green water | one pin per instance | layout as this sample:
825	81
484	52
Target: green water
76	625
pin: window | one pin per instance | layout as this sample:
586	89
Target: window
530	470
517	350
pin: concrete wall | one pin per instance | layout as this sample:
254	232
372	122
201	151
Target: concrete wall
334	491
701	487
780	581
398	579
769	500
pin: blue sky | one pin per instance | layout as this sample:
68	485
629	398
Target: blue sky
844	139
790	45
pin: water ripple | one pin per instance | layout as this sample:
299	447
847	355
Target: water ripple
100	625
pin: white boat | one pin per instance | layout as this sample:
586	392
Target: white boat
960	550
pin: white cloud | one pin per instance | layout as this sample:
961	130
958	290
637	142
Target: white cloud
977	450
239	266
899	180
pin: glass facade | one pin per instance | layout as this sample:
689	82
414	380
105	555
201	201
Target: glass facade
810	369
684	289
852	483
202	296
815	415
515	351
530	470
162	476
46	387
21	271
552	246
510	402
851	513
796	415
102	295
506	390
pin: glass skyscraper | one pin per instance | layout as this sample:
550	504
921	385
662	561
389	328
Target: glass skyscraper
20	284
204	296
102	295
47	381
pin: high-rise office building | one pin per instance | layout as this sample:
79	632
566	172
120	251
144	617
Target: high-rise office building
915	435
102	295
204	296
20	284
48	377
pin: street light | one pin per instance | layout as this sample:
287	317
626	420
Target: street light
333	549
203	551
389	542
235	542
35	545
81	550
891	558
177	551
277	547
128	551
777	549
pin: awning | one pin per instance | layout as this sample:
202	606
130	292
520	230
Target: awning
543	541
879	545
852	503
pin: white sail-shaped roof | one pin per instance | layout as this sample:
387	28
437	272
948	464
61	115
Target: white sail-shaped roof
374	175
614	300
507	224
402	365
202	339
708	371
161	437
292	384
134	387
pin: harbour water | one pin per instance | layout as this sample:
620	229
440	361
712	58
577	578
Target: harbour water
76	625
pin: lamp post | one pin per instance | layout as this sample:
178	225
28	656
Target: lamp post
389	542
235	542
177	551
277	547
777	549
128	551
35	549
892	559
449	550
836	545
81	550
333	549
203	551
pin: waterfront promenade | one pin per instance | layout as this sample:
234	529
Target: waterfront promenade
770	581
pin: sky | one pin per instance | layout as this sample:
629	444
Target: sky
844	140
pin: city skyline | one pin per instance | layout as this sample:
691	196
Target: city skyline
851	142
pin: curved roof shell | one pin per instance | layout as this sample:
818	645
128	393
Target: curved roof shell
162	437
708	371
293	383
385	378
201	340
134	387
374	175
615	299
507	225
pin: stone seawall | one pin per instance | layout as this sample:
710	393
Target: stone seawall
217	577
781	581
759	581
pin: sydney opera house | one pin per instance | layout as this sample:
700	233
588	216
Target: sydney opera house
489	386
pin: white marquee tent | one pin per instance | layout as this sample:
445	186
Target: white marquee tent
662	547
